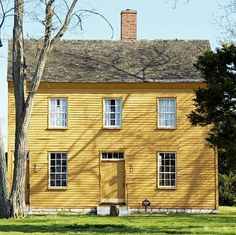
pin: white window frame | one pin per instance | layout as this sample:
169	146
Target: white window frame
158	171
112	158
49	170
159	113
109	126
60	114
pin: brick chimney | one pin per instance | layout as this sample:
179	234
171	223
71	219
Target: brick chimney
128	25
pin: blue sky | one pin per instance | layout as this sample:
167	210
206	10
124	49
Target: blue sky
157	19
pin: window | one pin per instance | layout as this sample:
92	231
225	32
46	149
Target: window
58	176
167	170
58	112
167	112
112	113
112	156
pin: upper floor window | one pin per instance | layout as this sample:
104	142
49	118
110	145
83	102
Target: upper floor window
167	112
112	113
58	175
58	112
167	169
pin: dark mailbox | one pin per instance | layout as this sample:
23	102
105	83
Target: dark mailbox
146	203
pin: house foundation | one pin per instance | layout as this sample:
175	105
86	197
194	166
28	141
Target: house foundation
122	211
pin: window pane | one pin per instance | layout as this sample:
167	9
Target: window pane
53	177
167	183
161	106
167	169
161	176
118	122
53	169
172	168
64	156
113	109
162	168
104	155
115	155
107	119
113	116
63	169
167	162
172	156
118	106
167	176
109	155
58	177
64	176
121	155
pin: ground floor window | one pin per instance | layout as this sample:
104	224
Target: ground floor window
58	169
166	169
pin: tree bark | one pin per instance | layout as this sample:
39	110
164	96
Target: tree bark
18	187
5	209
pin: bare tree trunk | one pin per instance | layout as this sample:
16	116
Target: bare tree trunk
18	187
21	132
23	102
4	193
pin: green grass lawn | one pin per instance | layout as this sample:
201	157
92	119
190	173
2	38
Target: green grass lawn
222	223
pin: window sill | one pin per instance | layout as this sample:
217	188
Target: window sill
57	128
168	188
166	128
112	128
57	188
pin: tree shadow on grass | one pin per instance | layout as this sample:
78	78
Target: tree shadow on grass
218	220
101	229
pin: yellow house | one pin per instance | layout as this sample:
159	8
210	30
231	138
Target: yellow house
110	126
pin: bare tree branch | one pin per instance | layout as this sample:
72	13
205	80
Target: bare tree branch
64	27
3	15
48	45
79	21
102	16
175	2
227	21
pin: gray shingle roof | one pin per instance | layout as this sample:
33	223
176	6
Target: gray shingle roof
117	61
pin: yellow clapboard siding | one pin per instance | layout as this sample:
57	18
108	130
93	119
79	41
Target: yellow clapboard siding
139	138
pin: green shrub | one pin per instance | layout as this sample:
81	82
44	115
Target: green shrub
227	189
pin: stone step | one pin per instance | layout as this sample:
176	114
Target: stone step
112	209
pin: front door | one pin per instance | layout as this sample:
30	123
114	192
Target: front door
112	179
